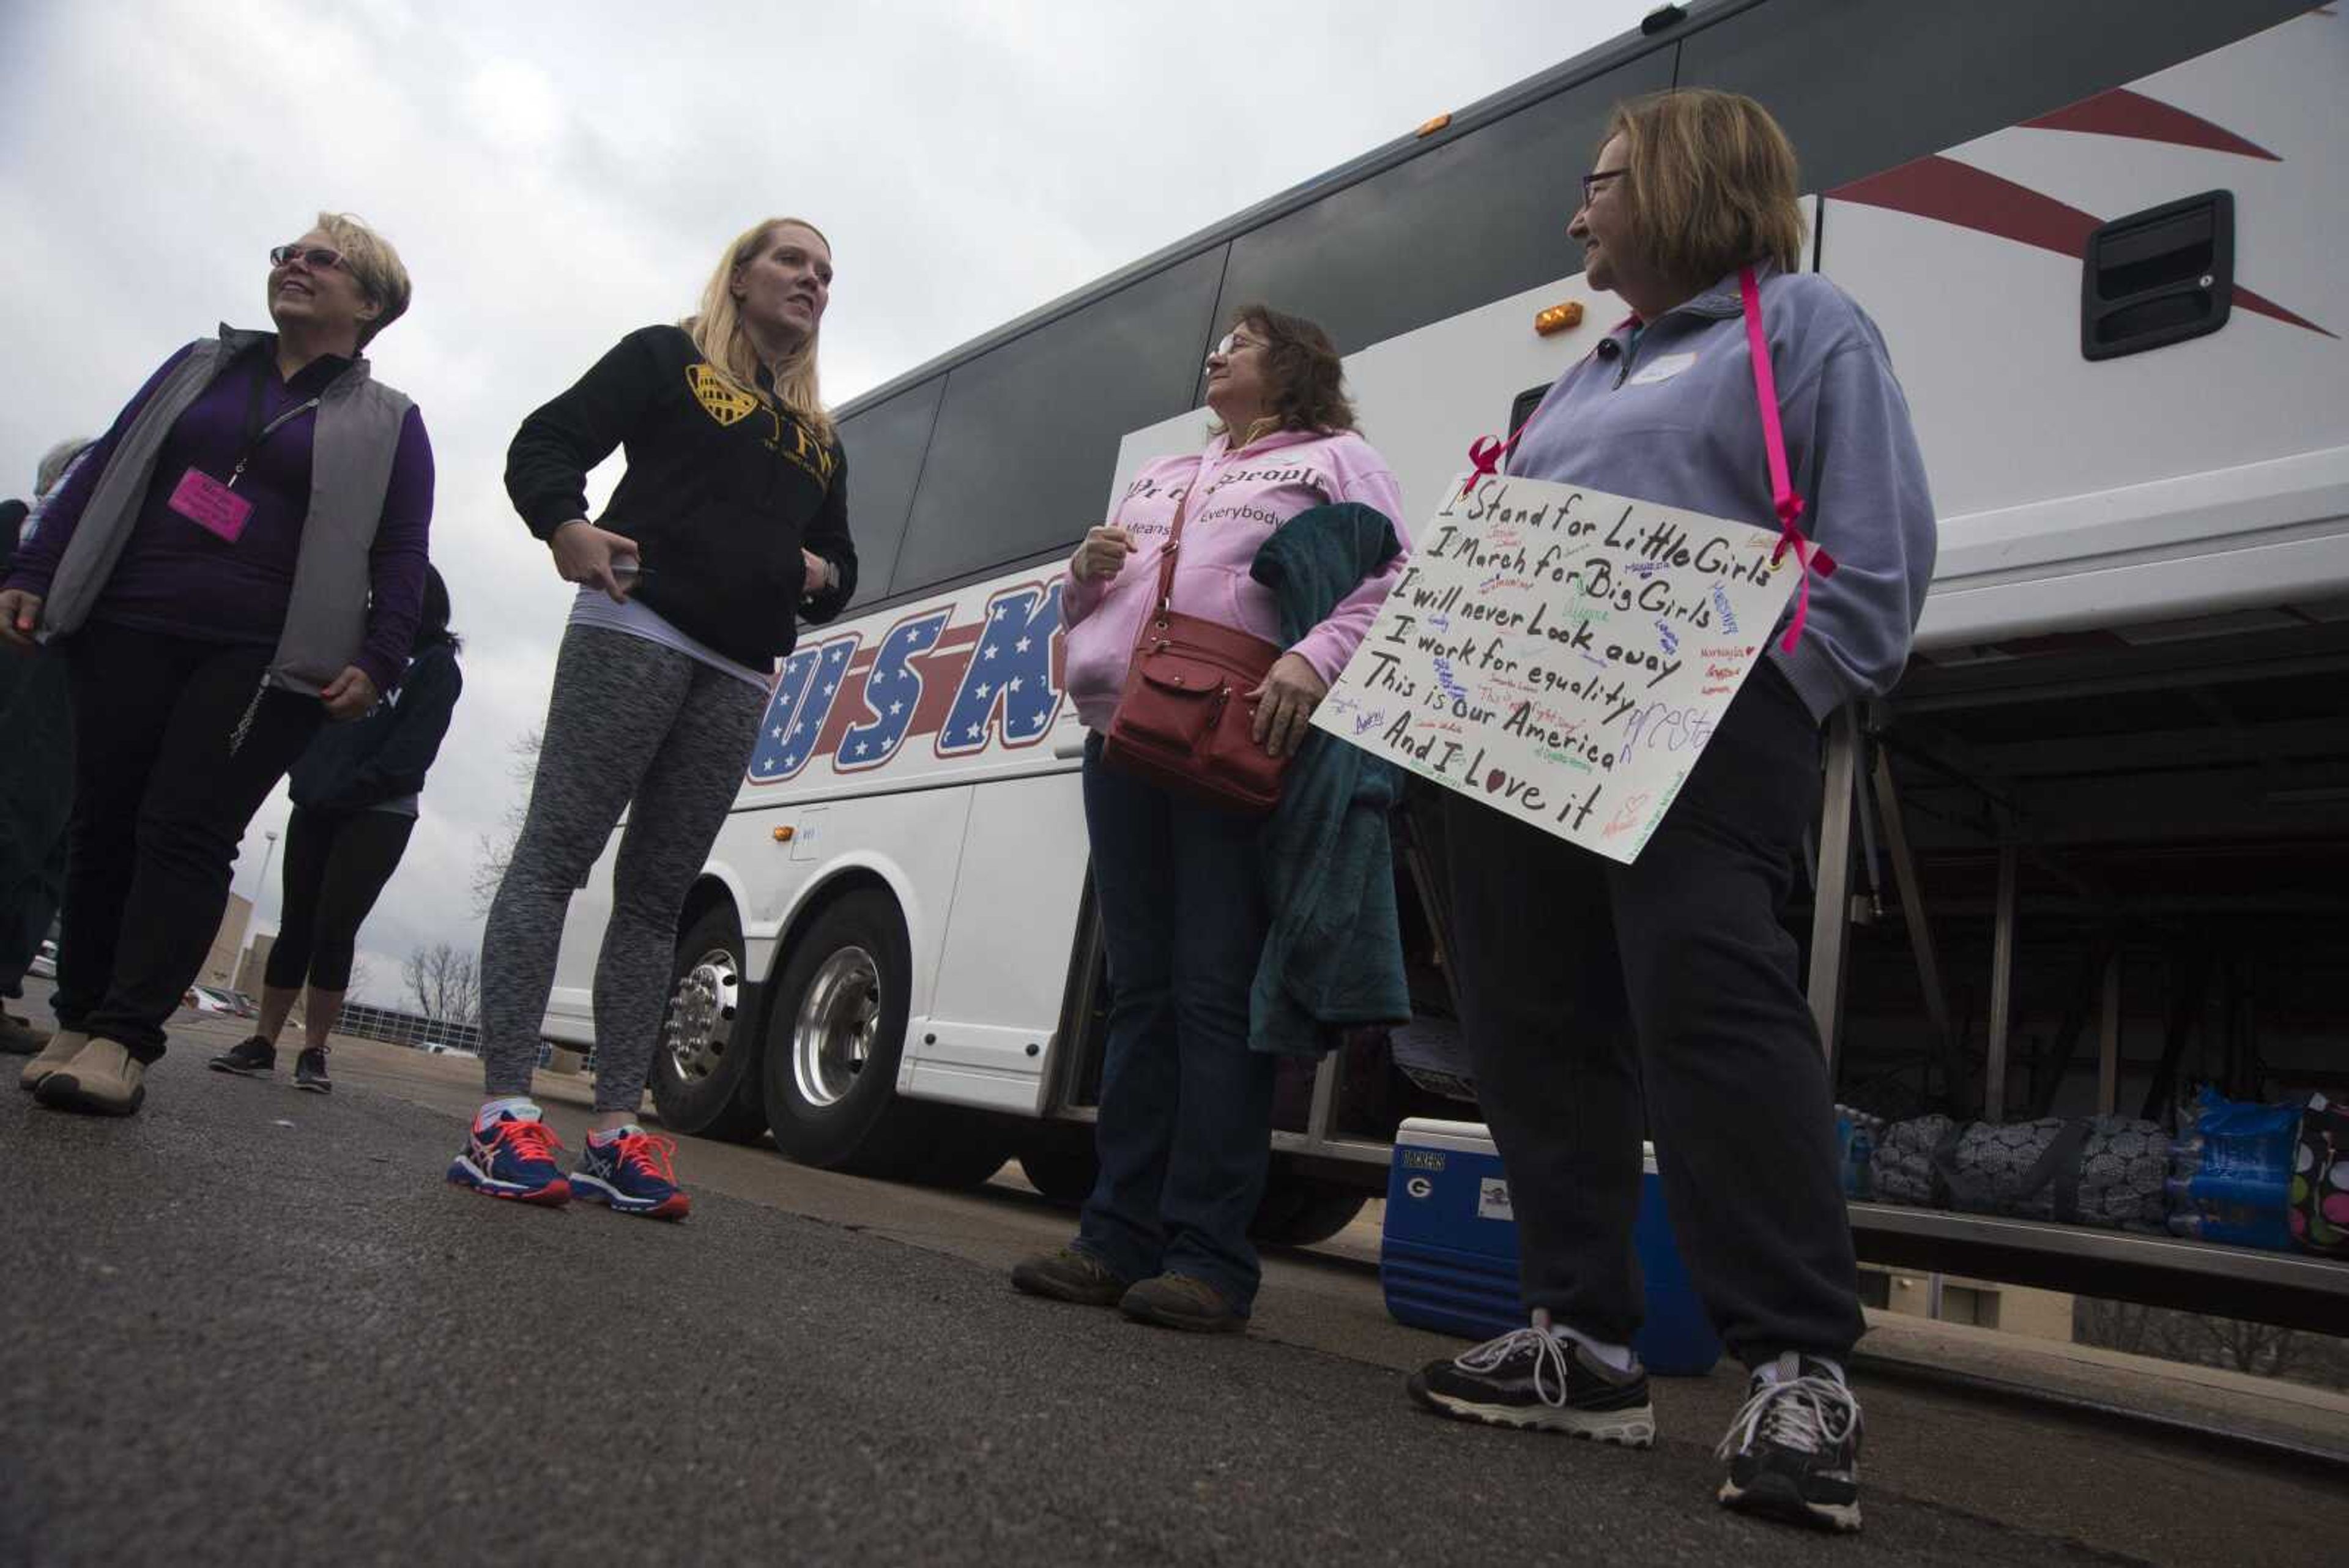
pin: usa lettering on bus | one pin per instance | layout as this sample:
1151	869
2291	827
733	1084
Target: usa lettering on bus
805	690
1007	691
891	692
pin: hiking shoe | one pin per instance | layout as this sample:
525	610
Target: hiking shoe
102	1080
310	1070
1178	1301
631	1171
19	1036
512	1157
1068	1275
1793	1451
1532	1377
62	1048
250	1058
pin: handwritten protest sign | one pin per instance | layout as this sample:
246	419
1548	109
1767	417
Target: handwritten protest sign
1562	654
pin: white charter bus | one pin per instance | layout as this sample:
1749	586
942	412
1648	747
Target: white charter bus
2095	845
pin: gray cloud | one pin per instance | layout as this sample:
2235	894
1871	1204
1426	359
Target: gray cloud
556	175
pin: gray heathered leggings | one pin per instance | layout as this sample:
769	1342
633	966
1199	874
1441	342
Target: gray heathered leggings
631	723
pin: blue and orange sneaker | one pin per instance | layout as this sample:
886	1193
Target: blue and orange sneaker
630	1170
511	1155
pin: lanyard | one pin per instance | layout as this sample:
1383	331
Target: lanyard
255	432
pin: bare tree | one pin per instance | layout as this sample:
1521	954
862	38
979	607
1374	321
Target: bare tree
362	976
2261	1349
446	983
495	851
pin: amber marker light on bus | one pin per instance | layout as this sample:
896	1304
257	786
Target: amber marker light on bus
785	834
1559	317
1429	128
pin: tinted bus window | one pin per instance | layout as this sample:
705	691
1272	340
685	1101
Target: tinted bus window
1862	86
1027	436
885	446
1458	226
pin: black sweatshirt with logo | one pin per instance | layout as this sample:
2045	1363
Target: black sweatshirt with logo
722	492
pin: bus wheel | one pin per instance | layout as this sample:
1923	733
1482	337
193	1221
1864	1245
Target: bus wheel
1298	1210
1063	1173
834	1039
705	1077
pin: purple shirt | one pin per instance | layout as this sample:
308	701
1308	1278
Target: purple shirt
178	578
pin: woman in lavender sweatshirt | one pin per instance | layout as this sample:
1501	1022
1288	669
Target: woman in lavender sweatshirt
1185	1104
1599	998
240	559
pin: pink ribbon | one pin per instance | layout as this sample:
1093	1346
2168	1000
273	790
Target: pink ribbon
1812	557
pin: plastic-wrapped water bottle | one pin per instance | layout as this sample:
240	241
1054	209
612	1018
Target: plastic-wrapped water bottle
1859	1170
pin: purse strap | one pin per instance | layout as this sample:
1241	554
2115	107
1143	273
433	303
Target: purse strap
1166	555
1788	506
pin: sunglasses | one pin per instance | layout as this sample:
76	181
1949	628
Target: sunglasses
1591	182
317	258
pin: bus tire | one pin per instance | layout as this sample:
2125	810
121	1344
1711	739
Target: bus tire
1063	1173
1298	1210
835	1036
705	1072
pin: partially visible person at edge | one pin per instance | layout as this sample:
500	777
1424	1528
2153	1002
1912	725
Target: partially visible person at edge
354	792
36	788
1594	993
1185	1103
239	559
730	526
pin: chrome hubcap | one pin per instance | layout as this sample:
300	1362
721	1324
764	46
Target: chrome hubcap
832	1038
701	1014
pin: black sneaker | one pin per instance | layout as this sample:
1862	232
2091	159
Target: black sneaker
1533	1378
251	1058
1793	1451
310	1070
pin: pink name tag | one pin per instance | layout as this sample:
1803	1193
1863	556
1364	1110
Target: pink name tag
210	504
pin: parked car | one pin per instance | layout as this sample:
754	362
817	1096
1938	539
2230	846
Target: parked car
207	999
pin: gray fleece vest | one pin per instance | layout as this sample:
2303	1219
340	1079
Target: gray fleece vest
351	452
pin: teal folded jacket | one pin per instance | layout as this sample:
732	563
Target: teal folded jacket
1334	957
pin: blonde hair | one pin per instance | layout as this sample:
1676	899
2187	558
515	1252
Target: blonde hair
717	332
382	277
1712	183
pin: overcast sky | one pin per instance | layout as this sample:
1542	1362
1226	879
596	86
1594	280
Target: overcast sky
555	175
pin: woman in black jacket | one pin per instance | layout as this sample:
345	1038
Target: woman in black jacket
354	806
730	526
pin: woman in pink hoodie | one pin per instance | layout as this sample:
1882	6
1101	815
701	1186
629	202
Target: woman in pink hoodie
1185	1103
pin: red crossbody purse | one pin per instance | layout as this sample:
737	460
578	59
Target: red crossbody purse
1181	721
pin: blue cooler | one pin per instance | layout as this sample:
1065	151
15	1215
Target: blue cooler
1448	1259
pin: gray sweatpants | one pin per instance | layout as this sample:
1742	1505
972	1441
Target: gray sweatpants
631	724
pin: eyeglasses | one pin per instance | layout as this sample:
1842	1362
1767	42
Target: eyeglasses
1231	343
317	258
1591	182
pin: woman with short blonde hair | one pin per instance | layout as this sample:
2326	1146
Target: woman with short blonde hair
1663	994
730	527
239	559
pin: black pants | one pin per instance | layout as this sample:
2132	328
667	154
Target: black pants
336	863
35	799
1583	981
163	791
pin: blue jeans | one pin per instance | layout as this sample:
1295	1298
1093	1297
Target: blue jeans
1186	1106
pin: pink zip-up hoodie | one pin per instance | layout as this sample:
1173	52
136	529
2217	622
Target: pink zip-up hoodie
1237	500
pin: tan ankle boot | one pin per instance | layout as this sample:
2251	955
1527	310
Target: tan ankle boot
62	1048
101	1080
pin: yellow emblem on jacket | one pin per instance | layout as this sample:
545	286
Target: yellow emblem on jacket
720	399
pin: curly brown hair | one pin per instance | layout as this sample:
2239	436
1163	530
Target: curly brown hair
1302	364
